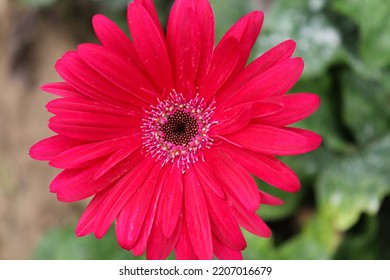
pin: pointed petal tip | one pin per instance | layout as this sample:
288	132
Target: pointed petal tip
98	17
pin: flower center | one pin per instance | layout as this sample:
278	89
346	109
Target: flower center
180	128
176	130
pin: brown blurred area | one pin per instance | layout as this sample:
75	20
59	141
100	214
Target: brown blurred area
30	44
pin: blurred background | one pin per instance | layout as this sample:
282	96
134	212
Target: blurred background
342	210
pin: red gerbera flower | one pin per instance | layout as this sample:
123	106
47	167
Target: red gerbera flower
164	131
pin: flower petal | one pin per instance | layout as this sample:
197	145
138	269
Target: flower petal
159	247
207	179
76	105
63	89
295	107
150	45
237	182
223	224
269	199
265	167
225	59
86	223
171	199
275	141
84	155
111	66
90	116
205	19
140	245
267	60
276	81
250	221
184	43
48	148
184	249
246	30
120	194
131	218
112	37
232	119
86	131
197	218
224	252
76	184
151	9
114	161
80	76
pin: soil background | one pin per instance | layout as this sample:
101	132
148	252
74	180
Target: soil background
31	41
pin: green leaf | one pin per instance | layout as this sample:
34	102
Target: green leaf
62	244
316	240
259	248
372	17
363	244
318	41
355	184
325	120
366	106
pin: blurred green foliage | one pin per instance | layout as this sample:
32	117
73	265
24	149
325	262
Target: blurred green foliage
342	209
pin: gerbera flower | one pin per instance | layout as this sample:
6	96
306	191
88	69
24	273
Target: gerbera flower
165	131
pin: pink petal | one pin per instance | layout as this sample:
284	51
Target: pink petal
224	252
207	179
232	119
159	247
237	182
275	141
265	167
85	131
205	19
267	60
48	148
120	194
223	224
76	105
140	245
277	80
149	6
111	66
63	89
90	119
83	155
295	107
184	43
246	30
91	115
86	223
131	218
265	108
184	249
76	184
196	213
80	76
171	199
250	221
150	45
129	150
112	37
225	59
269	199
